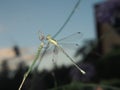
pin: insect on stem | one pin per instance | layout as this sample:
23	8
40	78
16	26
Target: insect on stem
55	43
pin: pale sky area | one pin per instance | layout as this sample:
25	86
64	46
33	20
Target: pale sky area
20	20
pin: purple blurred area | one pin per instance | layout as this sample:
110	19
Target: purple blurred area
106	10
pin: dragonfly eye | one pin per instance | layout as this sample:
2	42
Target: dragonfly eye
41	37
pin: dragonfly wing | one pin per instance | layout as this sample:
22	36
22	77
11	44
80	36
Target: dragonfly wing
55	50
71	42
70	45
46	62
55	55
49	49
71	38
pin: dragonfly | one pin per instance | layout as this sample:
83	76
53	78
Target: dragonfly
54	42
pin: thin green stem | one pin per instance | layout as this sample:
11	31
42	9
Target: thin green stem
31	67
68	19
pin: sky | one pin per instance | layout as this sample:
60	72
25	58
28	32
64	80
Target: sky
20	20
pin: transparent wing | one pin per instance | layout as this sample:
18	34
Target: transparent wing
47	60
49	50
70	45
71	38
55	55
70	42
59	57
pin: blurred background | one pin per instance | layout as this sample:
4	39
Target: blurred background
98	52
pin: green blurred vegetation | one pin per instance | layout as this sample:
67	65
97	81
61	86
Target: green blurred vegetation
86	86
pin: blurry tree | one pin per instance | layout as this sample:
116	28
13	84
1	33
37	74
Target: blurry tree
109	65
5	81
5	68
106	67
109	12
16	50
19	75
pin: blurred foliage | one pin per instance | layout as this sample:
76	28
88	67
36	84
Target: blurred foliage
106	67
106	74
85	86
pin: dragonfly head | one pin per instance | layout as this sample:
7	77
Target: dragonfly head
48	37
41	36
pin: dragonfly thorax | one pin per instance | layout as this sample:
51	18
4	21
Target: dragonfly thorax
48	37
51	40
